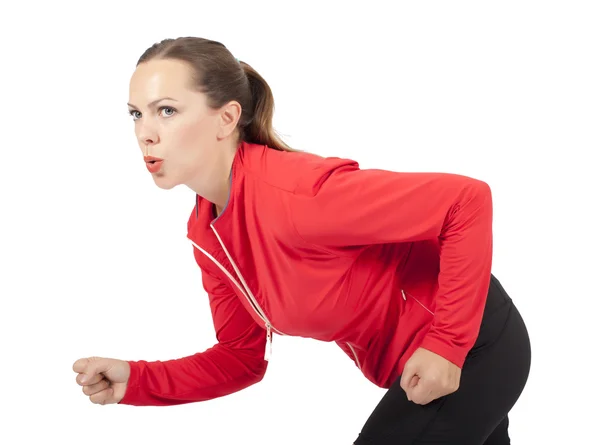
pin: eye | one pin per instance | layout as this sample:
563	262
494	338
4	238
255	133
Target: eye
167	108
132	112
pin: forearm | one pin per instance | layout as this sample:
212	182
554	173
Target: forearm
217	372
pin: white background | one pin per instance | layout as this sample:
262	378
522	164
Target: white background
95	260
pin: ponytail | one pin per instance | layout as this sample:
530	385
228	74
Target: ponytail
259	129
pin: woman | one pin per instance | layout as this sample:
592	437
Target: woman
393	267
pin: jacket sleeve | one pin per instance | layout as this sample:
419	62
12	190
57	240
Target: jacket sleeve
234	363
338	207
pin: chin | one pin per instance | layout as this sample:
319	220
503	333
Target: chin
164	183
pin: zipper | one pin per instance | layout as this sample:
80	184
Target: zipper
269	346
422	305
355	356
403	296
245	290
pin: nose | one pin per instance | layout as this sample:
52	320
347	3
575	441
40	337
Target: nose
146	136
145	139
147	143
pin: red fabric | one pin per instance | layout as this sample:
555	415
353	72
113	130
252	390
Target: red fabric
379	262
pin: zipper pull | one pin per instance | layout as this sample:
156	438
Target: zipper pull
403	295
269	345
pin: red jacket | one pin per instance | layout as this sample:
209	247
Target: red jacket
379	262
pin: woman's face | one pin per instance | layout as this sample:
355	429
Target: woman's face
182	130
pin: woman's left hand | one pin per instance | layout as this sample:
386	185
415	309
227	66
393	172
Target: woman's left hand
428	376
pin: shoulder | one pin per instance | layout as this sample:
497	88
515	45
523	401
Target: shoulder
300	173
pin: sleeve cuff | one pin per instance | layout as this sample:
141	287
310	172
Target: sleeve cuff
453	354
133	384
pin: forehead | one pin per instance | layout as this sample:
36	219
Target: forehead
157	78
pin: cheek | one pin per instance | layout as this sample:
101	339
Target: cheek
187	147
194	135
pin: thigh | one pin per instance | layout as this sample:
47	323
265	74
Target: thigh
492	379
396	420
491	383
500	435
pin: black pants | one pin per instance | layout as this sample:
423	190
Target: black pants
492	379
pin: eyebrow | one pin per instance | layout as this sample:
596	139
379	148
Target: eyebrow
154	102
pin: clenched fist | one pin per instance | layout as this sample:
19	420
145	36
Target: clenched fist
104	380
428	376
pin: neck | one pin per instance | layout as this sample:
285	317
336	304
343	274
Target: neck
215	185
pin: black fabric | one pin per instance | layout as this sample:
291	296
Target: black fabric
493	377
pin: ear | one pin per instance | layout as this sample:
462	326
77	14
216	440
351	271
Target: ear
229	117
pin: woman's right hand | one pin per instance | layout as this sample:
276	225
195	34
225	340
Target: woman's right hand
104	380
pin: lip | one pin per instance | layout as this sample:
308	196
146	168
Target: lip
153	164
